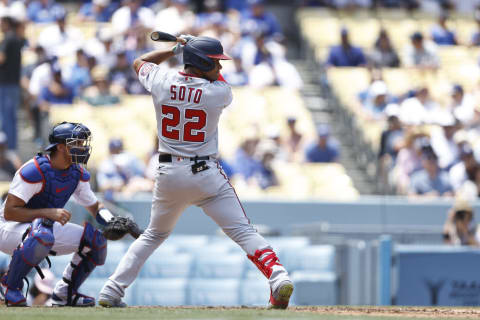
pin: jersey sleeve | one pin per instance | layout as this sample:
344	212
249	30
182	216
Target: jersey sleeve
147	74
84	195
23	189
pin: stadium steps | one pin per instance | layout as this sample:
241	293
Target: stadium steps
323	112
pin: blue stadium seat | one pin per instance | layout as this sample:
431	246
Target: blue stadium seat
313	258
219	266
115	248
315	288
214	292
187	241
4	262
161	292
254	291
92	286
59	263
161	265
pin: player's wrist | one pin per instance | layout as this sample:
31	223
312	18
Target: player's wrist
103	216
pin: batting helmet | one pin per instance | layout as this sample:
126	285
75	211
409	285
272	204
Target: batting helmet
74	135
200	52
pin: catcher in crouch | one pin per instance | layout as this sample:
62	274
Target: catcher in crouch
34	224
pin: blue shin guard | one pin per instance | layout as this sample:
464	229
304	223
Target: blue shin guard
96	242
29	254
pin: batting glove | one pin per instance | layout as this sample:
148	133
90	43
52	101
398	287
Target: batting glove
178	48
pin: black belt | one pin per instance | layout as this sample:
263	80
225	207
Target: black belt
165	157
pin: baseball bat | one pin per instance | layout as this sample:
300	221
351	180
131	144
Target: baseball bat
164	37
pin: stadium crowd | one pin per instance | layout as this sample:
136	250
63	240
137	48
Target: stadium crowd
428	147
63	65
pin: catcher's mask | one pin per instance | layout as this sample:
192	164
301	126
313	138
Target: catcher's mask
75	136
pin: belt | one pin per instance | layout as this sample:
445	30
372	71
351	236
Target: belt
165	157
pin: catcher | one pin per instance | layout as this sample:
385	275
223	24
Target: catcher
34	224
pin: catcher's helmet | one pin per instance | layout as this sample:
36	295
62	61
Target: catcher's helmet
200	52
74	135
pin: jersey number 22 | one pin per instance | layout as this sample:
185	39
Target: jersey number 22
171	118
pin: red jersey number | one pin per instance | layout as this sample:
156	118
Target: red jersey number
171	119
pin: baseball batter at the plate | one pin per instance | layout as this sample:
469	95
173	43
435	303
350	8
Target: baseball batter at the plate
188	105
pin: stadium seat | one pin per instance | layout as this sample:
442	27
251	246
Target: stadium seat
219	266
92	286
213	292
161	292
315	288
59	263
311	258
254	291
160	265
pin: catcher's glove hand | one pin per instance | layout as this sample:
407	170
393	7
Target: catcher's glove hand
118	226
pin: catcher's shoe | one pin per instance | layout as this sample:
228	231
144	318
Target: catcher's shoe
12	297
78	300
110	302
280	298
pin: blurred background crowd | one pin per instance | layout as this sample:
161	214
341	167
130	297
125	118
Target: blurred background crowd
393	76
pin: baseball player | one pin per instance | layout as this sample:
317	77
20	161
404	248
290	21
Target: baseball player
33	223
188	105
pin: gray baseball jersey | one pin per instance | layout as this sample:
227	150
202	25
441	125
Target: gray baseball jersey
187	109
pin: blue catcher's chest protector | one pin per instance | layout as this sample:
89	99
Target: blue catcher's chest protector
58	185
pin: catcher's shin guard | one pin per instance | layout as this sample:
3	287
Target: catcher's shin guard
281	287
29	254
76	274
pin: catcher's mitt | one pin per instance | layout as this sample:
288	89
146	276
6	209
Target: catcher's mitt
118	226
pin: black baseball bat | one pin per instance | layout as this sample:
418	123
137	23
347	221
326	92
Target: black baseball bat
163	36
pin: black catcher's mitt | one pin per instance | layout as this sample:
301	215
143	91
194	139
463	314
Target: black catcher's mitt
117	227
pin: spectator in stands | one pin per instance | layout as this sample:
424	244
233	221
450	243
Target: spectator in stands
408	159
226	167
407	4
459	228
377	100
441	35
59	39
78	75
41	290
465	169
97	10
9	164
391	140
10	67
132	17
257	19
325	149
176	18
294	138
99	94
121	172
123	78
443	141
245	163
345	54
476	34
419	109
462	106
210	17
57	91
102	47
269	66
383	54
420	54
43	11
351	4
237	76
265	175
430	181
